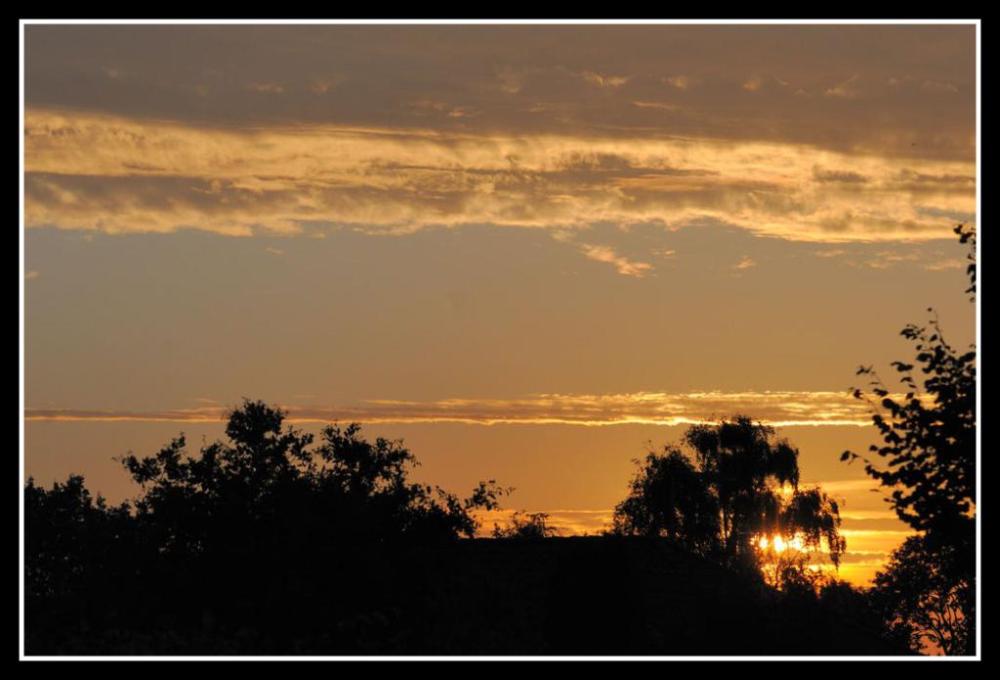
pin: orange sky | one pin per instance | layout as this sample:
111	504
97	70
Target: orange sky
528	250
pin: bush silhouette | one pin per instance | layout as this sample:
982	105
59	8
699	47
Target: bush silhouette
526	526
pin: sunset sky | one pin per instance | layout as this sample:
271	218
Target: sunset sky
530	251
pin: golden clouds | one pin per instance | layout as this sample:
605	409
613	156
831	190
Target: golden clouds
621	264
779	408
681	82
604	80
118	175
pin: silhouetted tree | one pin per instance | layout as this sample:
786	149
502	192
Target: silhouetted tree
530	526
263	532
360	489
744	487
922	601
929	446
744	467
669	497
66	531
77	549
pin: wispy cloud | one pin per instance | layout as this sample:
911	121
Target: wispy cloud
602	80
524	86
887	258
847	89
846	485
830	175
123	176
510	80
943	265
321	86
664	106
622	265
939	87
648	408
681	82
834	252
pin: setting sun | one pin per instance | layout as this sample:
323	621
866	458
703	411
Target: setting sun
779	545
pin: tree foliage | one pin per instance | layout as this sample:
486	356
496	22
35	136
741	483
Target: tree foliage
69	537
271	542
265	531
929	436
346	488
742	485
928	463
530	526
922	601
669	497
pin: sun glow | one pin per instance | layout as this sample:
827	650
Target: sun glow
780	544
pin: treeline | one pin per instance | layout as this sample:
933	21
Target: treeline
252	533
271	543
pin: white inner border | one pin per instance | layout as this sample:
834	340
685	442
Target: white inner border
471	22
